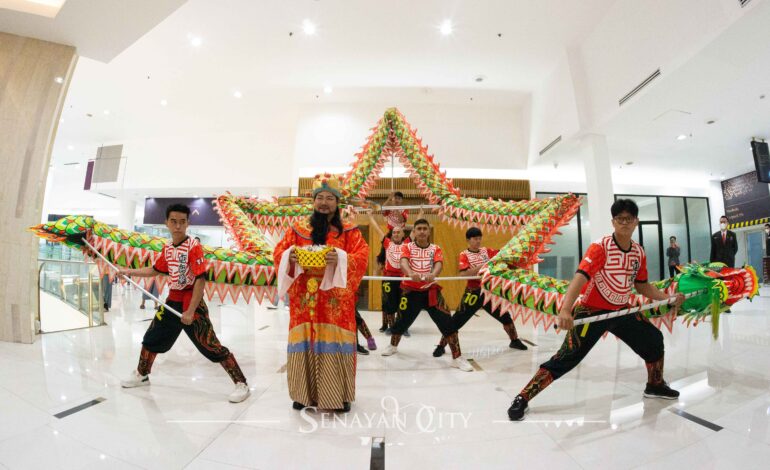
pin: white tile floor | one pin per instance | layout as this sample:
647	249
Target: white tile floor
430	415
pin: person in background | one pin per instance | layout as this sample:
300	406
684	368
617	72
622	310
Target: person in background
107	292
152	290
395	218
767	240
672	253
724	246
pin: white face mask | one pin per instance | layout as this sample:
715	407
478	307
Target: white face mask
767	230
723	226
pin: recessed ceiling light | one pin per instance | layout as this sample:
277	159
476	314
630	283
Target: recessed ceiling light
146	196
308	27
711	121
196	41
106	112
61	120
328	89
479	78
629	163
59	80
195	196
446	27
681	137
237	94
70	147
163	103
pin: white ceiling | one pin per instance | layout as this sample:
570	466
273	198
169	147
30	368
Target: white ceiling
99	29
368	51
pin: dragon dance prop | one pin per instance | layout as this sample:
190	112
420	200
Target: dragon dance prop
508	281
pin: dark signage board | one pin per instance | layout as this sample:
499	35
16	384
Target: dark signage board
202	210
746	199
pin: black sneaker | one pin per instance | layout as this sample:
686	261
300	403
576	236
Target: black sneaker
383	328
517	344
388	332
298	406
439	351
345	407
661	390
518	408
362	350
407	334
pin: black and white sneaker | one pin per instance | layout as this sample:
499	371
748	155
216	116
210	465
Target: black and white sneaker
517	344
518	408
661	390
362	350
439	351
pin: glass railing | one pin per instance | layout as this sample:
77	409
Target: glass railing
76	283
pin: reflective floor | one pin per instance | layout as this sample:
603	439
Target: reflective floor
412	410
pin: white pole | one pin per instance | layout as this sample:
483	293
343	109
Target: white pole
638	308
131	280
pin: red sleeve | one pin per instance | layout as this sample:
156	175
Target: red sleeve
593	261
405	253
386	243
641	275
161	265
438	256
385	213
405	214
197	260
463	262
492	252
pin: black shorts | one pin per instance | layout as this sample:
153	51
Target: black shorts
391	296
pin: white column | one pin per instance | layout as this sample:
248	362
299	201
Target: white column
598	171
716	204
127	214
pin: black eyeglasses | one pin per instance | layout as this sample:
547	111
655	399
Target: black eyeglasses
624	220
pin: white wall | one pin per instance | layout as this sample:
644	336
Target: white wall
490	137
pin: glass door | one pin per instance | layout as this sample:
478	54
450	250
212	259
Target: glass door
648	234
754	248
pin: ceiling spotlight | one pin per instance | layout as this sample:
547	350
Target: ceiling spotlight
70	147
195	196
328	89
196	41
237	94
711	121
479	78
629	163
163	102
146	196
59	80
308	27
446	27
681	137
106	112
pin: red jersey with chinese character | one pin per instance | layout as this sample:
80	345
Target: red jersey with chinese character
611	273
393	256
183	263
421	261
472	259
395	218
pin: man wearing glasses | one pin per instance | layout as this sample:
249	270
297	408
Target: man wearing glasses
604	281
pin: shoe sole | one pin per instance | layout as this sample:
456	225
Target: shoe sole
526	410
386	354
649	395
457	366
238	401
142	384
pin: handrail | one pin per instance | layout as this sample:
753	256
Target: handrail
90	312
53	260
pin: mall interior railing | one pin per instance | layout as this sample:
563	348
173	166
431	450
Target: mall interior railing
75	282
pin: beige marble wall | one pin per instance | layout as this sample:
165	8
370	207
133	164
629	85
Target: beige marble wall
30	104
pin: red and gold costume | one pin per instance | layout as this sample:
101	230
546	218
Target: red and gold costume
322	329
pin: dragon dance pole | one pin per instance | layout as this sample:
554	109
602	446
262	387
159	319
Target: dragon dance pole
638	308
131	280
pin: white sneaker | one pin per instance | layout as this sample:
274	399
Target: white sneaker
135	380
462	364
240	393
390	350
